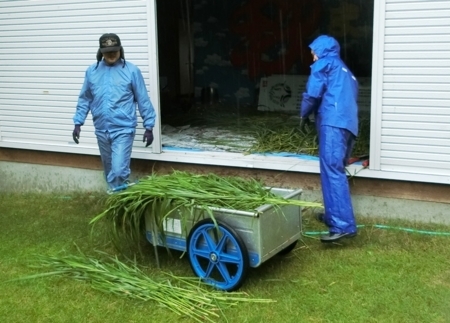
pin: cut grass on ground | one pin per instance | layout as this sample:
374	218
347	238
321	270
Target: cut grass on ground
380	276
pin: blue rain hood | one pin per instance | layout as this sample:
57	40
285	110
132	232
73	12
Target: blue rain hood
332	89
325	46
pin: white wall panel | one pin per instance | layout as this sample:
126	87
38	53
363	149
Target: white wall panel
45	49
405	39
415	120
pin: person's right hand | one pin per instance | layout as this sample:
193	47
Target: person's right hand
303	123
76	133
148	137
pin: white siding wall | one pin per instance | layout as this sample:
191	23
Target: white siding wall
415	117
45	48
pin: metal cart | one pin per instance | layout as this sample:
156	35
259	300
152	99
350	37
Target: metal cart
221	253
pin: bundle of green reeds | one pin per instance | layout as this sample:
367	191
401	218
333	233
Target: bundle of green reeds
184	296
185	193
275	137
285	139
273	132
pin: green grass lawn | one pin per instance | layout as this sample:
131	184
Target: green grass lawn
382	275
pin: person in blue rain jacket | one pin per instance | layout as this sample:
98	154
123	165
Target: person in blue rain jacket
331	95
111	89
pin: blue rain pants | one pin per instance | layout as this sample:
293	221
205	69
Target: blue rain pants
115	151
335	147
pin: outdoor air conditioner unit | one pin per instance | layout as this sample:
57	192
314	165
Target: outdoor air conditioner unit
283	93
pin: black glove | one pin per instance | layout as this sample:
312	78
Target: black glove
148	137
76	133
303	123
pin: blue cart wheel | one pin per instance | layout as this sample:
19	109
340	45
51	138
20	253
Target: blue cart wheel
218	255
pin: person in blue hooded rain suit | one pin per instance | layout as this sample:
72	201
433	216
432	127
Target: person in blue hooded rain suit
331	95
111	89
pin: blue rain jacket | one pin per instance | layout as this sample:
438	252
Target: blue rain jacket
332	89
111	94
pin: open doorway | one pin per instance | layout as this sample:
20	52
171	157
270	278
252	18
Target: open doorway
233	72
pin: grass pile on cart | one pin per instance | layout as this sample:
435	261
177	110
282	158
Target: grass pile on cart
183	296
186	194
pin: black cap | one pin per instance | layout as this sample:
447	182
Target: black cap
109	43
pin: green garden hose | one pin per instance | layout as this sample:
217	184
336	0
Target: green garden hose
380	226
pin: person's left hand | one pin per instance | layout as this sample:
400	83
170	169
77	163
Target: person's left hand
76	133
148	137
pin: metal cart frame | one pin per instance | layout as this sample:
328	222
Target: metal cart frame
221	251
